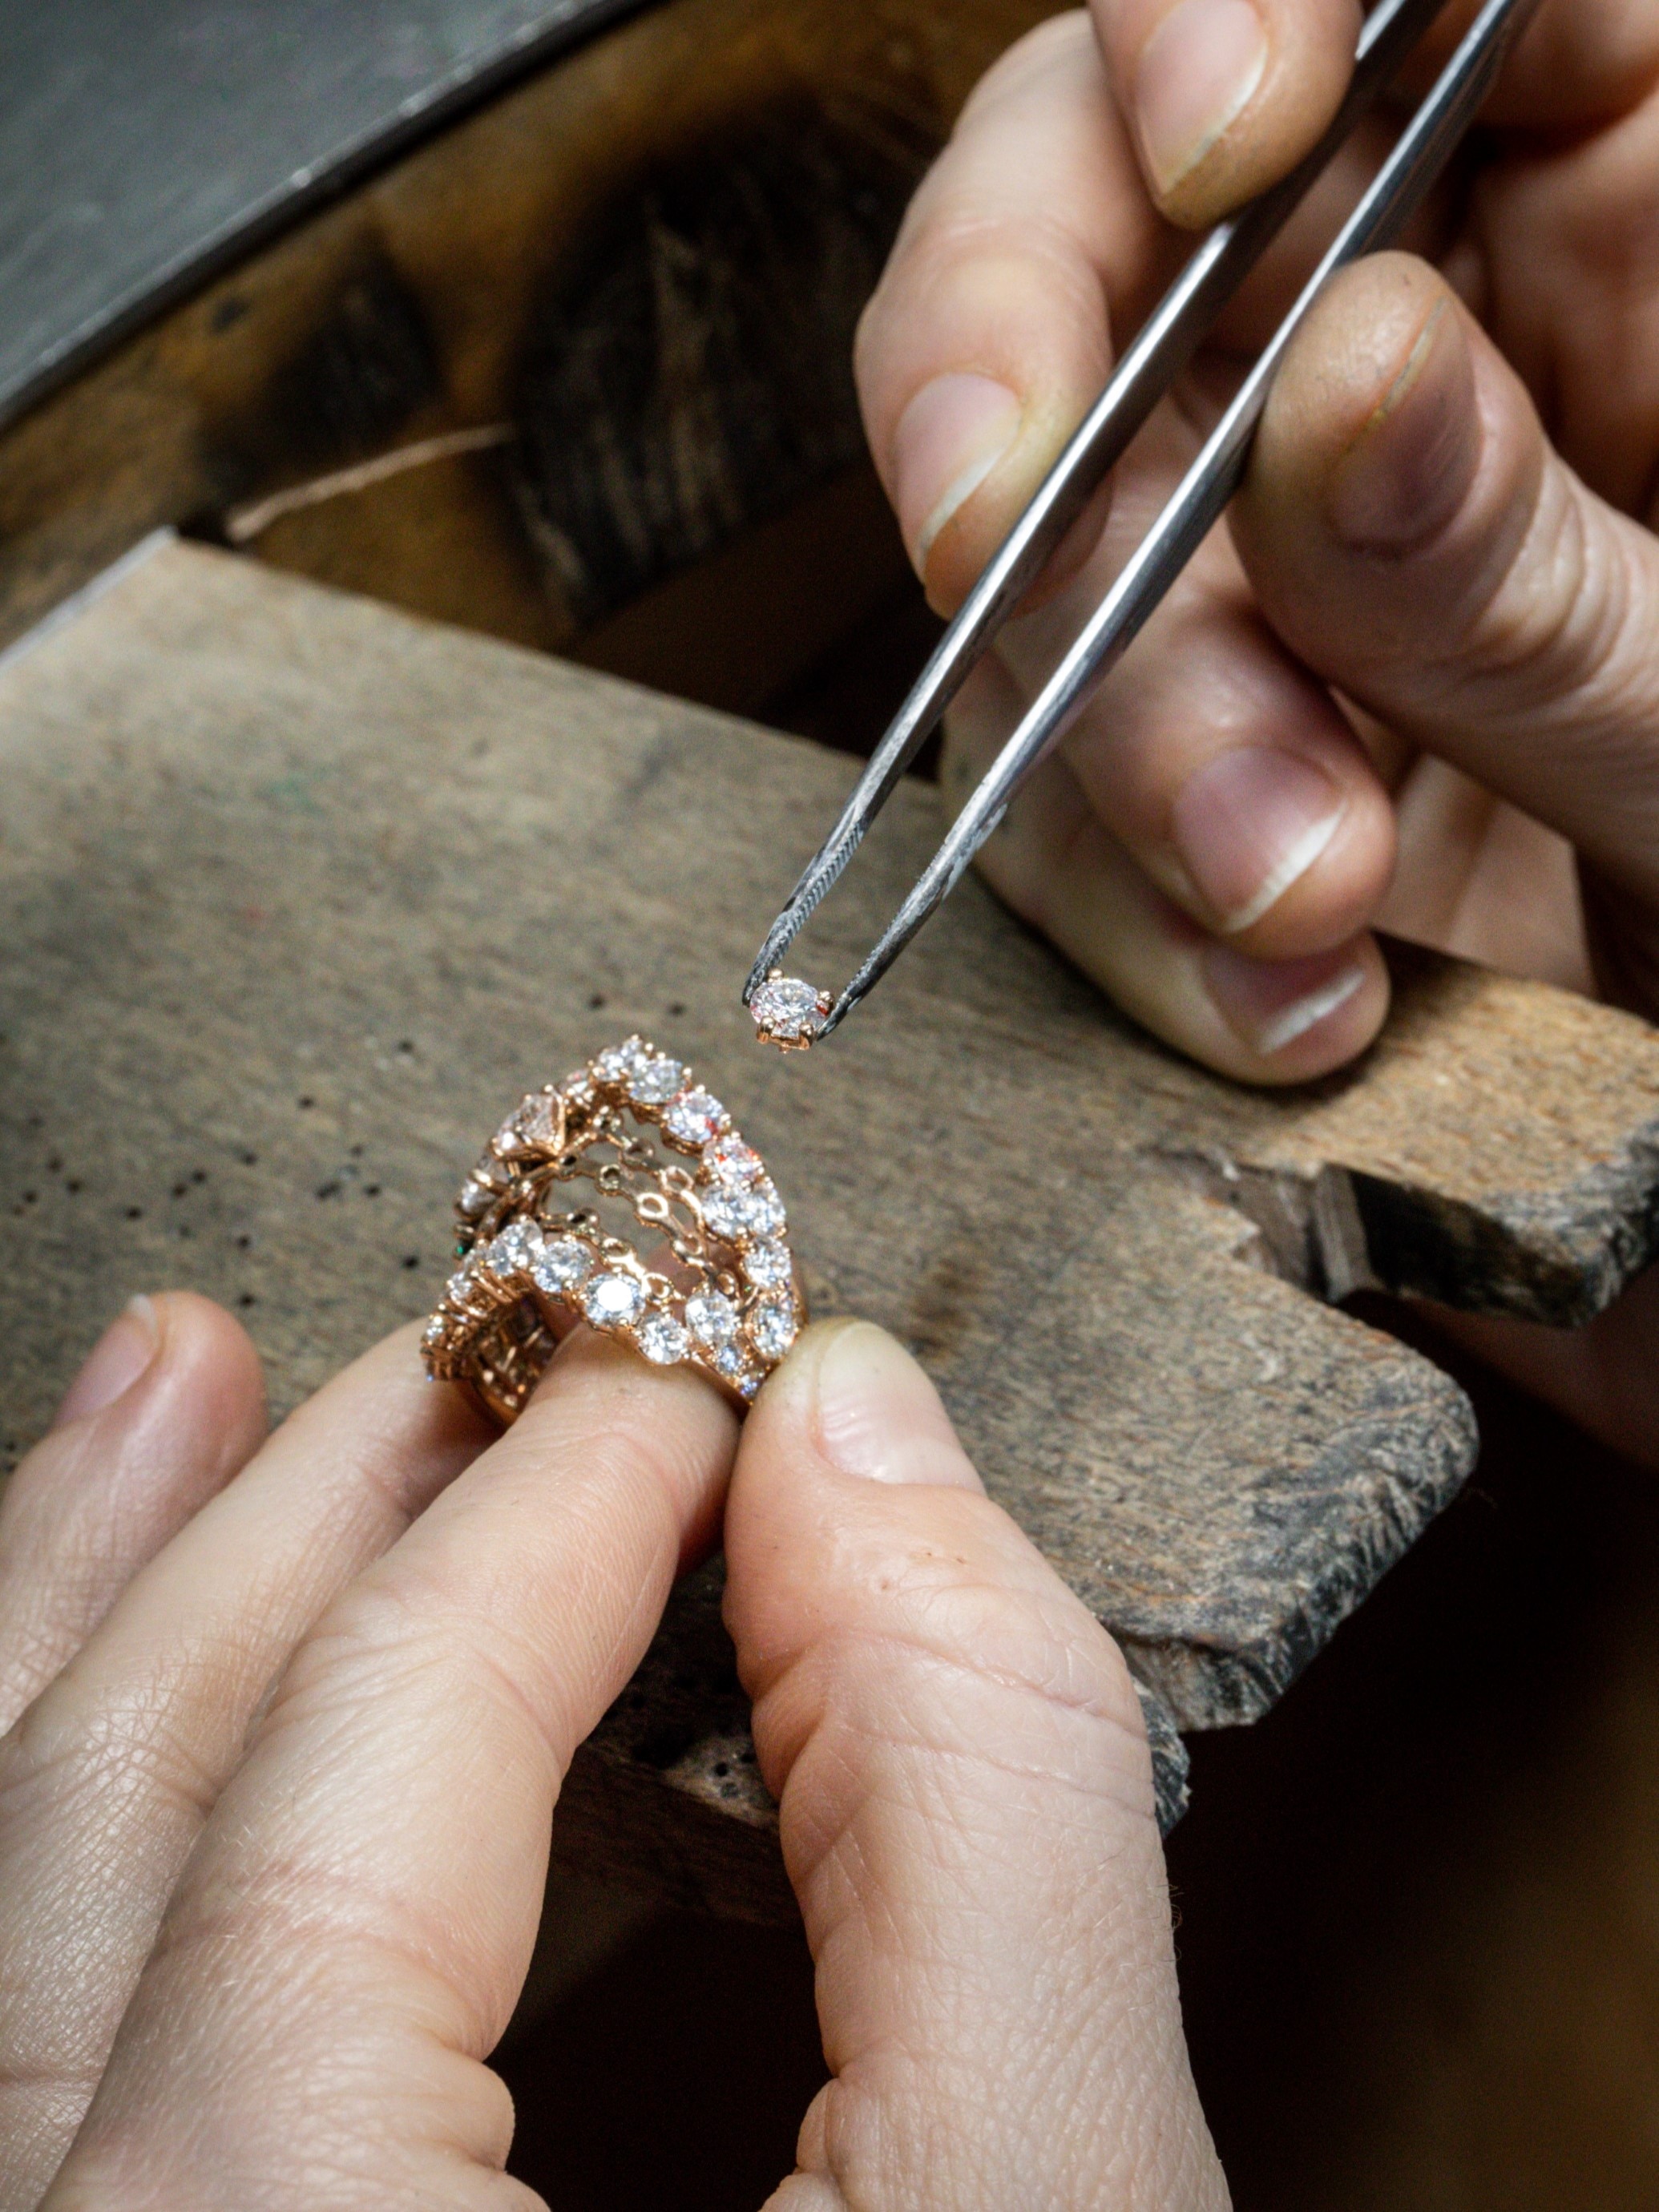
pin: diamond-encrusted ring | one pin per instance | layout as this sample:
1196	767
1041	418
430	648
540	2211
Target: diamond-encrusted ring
717	1289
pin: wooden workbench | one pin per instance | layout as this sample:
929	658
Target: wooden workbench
277	865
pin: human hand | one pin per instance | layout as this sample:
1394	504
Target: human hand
288	1720
1416	687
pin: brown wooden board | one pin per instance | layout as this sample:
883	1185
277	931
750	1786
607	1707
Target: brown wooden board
298	892
635	276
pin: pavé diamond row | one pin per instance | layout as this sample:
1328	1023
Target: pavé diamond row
718	1292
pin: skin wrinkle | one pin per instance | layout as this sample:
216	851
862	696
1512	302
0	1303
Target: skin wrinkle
943	2009
823	1671
1589	622
865	2097
296	1933
156	1771
414	1630
941	244
137	1738
937	1817
263	1973
964	237
843	1877
614	1470
843	1868
352	1722
657	1507
875	1648
826	1654
474	1931
859	1760
1633	716
329	2156
1039	1626
116	1780
1513	635
1598	626
394	1480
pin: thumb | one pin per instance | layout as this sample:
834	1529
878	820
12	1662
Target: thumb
967	1816
1413	537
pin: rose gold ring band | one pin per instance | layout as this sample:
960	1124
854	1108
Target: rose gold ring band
716	1289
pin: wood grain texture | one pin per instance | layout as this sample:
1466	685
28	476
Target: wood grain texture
299	891
595	261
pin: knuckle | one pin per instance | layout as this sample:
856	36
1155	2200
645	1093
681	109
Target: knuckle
959	1597
1566	627
143	1748
398	1648
1065	43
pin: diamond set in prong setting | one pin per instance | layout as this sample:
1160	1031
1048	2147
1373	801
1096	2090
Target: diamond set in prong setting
717	1289
788	1013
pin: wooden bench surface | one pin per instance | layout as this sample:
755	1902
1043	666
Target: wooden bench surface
299	893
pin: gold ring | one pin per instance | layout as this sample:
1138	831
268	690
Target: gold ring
716	1292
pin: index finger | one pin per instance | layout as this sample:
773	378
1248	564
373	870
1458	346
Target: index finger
1224	97
349	1940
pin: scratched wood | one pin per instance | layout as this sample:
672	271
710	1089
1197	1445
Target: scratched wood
297	890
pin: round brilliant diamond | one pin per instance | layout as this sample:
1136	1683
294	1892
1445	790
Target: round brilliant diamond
786	1009
729	1161
662	1339
773	1328
694	1117
656	1080
764	1215
711	1317
768	1267
732	1364
724	1213
619	1062
612	1301
734	1213
514	1251
562	1263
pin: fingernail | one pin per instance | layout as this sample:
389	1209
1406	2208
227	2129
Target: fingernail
948	440
118	1359
1250	823
880	1417
1409	470
1270	1003
1197	73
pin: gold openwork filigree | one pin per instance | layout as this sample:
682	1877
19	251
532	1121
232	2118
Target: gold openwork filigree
716	1289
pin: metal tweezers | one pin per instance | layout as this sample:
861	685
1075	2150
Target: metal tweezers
1163	350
